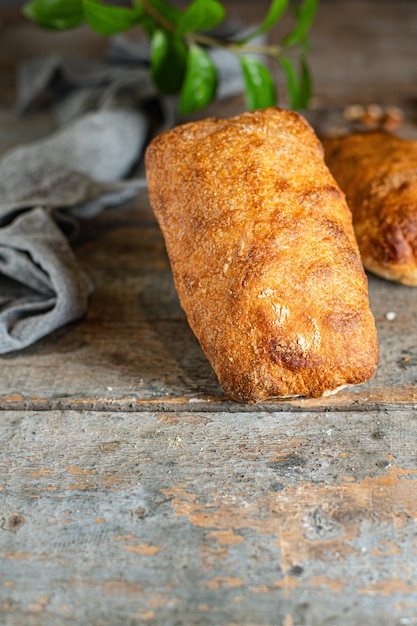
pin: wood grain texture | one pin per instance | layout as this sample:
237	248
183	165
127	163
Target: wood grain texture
133	492
135	351
207	518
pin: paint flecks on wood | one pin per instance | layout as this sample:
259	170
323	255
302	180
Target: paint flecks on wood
201	516
132	491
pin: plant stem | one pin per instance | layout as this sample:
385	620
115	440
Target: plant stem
237	47
157	16
205	40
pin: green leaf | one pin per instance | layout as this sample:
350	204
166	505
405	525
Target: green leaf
200	83
276	10
259	84
305	15
168	60
55	14
298	83
292	81
107	19
305	83
166	10
157	14
146	21
201	15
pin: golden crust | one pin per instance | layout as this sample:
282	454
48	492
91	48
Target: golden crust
263	255
378	173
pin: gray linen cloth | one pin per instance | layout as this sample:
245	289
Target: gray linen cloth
105	113
44	188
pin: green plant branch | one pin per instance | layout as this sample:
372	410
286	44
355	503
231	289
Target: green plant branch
273	50
180	62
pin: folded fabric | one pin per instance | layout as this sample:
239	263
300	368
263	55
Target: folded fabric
53	288
75	85
45	187
105	112
72	87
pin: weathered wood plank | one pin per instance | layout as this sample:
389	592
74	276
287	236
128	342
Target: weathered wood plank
363	51
173	505
160	518
135	351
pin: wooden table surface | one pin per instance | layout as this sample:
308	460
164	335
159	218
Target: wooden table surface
132	491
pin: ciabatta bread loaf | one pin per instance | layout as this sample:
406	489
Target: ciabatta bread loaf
378	173
263	254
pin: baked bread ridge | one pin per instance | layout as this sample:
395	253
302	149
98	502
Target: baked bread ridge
378	173
263	255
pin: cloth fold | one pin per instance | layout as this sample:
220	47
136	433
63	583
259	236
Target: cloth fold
45	189
53	288
105	113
